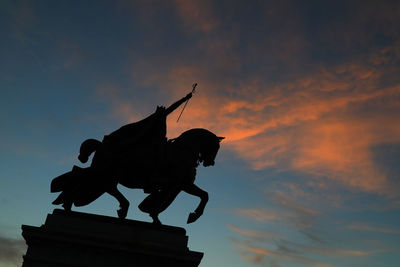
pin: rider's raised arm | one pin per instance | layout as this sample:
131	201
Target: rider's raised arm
178	103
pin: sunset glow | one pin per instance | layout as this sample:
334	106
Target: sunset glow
306	94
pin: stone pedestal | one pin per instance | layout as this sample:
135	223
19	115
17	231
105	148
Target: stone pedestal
80	239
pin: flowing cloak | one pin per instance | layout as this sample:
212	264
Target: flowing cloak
149	130
138	146
138	142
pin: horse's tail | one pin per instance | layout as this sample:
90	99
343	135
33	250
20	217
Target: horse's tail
87	148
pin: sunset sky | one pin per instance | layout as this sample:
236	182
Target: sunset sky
307	94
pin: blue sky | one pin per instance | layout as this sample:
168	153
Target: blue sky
307	95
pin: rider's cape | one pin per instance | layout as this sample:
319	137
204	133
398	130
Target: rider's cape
149	130
144	139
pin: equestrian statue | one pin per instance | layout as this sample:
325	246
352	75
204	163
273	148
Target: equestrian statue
139	156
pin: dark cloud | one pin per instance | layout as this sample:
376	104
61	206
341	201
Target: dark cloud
301	216
313	237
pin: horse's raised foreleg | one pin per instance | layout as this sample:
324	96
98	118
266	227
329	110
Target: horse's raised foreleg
123	202
203	195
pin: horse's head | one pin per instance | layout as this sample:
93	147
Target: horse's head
203	142
209	151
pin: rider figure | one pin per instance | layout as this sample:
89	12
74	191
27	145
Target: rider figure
160	143
146	138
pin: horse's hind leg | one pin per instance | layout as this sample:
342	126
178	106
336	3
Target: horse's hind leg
67	205
157	202
123	202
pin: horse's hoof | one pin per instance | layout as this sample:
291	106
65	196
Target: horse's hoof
122	213
155	219
67	206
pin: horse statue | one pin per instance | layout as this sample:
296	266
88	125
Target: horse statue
139	156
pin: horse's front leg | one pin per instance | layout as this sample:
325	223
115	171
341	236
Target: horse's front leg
123	202
203	195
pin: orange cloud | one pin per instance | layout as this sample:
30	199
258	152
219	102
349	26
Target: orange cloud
341	150
260	215
320	122
319	128
256	235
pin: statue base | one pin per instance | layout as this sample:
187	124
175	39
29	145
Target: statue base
80	239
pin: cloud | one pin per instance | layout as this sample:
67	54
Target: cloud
289	211
23	18
261	215
197	15
70	54
255	235
11	250
311	95
278	100
302	216
258	246
366	227
318	125
257	255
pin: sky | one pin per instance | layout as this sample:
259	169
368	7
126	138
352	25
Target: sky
307	94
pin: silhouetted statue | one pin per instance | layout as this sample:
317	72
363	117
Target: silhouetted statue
138	155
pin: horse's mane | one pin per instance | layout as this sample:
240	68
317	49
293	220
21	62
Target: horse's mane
196	136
